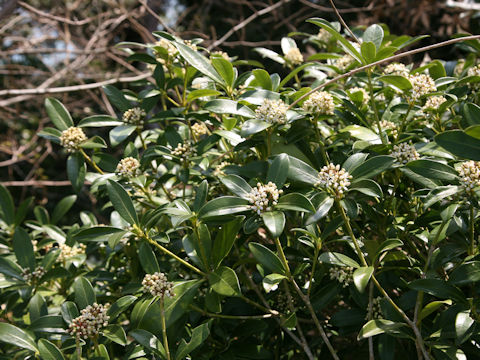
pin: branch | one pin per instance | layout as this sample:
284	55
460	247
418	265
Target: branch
38	183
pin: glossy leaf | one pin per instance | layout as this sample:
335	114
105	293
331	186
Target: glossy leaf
58	114
378	326
223	206
274	221
49	351
6	205
121	202
224	281
11	334
76	171
199	62
361	277
199	335
23	248
278	170
84	293
459	144
266	258
237	185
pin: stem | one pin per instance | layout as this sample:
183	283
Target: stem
95	345
78	348
231	317
404	120
91	162
139	133
269	143
374	106
164	329
472	231
371	354
258	306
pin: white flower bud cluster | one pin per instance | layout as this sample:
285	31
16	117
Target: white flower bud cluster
67	252
344	62
474	71
183	150
134	116
72	138
320	102
343	275
128	167
434	102
30	276
376	308
422	84
396	69
92	319
334	178
272	111
221	54
167	45
469	172
191	45
219	169
389	125
199	129
365	95
157	284
294	56
324	35
405	152
459	67
264	197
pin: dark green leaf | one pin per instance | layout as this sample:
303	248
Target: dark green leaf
372	167
199	335
62	208
433	170
23	248
338	259
148	259
120	133
465	274
278	170
361	277
121	202
115	333
225	106
49	351
84	294
76	170
13	335
253	126
99	121
266	258
37	307
58	114
459	144
437	288
237	185
117	98
378	326
97	233
223	206
225	239
224	281
121	305
295	202
7	207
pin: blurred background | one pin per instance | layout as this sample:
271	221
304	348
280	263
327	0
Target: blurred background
67	49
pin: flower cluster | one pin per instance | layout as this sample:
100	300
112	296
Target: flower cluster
183	150
389	125
167	45
31	276
92	319
128	167
72	138
320	102
474	71
365	95
294	56
263	197
459	67
157	284
404	153
67	252
469	172
219	169
396	69
376	308
221	54
344	62
272	111
134	116
334	178
191	45
199	129
343	275
422	84
434	102
324	35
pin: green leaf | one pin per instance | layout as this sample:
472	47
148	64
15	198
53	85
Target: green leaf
432	307
367	187
372	167
369	51
97	233
22	210
148	341
10	269
76	170
374	33
463	323
69	311
37	307
271	281
266	258
337	259
99	121
13	335
325	203
237	185
301	171
48	324
459	144
225	106
263	79
433	170
120	133
115	333
84	294
437	288
362	133
361	277
122	202
278	170
23	248
472	113
201	193
7	207
51	134
117	98
198	61
120	305
270	55
58	114
397	81
387	245
199	93
225	239
254	126
178	305
148	259
62	208
440	193
49	351
223	206
295	202
378	326
225	69
466	273
224	281
274	221
199	335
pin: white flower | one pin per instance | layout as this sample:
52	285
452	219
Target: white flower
221	54
191	45
469	172
365	95
264	197
404	153
434	102
334	179
474	71
67	252
389	125
459	67
294	56
128	167
157	284
167	45
320	102
324	35
343	275
421	85
344	62
396	69
183	150
272	111
92	319
72	138
134	115
199	129
31	276
219	169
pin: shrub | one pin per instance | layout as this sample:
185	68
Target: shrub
246	216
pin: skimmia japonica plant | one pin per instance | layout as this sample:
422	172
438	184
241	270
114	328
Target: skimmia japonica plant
242	215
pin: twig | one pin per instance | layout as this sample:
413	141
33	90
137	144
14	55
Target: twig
58	18
344	24
38	183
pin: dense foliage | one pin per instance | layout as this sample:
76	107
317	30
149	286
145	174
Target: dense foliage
243	218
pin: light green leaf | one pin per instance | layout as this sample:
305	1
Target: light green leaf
224	281
361	277
225	106
378	326
338	259
49	351
274	221
11	334
374	33
237	185
223	206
